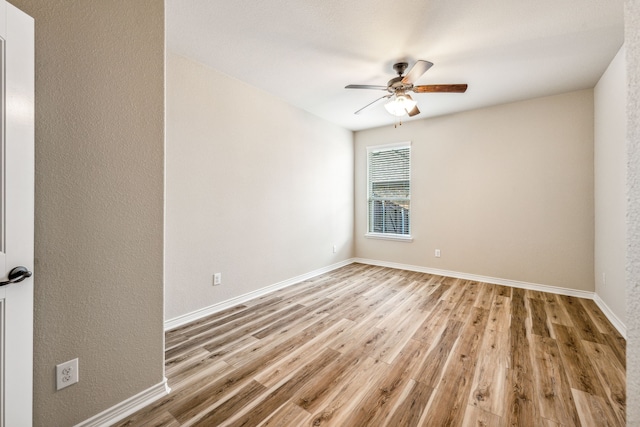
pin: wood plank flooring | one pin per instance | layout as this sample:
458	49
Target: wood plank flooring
373	346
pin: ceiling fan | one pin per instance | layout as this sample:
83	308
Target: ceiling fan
401	102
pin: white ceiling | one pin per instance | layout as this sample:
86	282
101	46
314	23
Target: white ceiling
306	51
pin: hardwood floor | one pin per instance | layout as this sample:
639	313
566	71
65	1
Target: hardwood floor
373	346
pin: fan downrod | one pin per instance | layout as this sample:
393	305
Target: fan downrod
400	68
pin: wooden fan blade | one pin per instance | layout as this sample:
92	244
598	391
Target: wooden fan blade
414	111
418	69
376	87
440	88
371	103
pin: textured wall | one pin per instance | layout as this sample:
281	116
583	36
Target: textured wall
99	202
610	153
505	192
632	45
256	189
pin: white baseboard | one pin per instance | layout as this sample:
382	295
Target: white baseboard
127	407
195	315
478	278
615	321
206	311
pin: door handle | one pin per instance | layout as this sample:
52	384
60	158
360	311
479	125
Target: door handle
17	274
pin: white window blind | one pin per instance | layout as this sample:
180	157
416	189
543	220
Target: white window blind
389	189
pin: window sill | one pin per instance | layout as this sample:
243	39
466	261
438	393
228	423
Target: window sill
384	236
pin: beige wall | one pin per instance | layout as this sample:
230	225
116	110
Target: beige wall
256	189
99	202
632	47
504	192
610	199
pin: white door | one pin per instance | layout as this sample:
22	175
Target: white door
16	215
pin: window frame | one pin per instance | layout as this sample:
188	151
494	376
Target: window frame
387	236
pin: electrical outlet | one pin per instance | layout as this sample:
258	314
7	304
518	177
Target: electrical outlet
335	249
217	279
66	374
437	253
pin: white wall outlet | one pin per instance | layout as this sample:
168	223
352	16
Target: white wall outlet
604	278
66	374
335	249
437	253
217	279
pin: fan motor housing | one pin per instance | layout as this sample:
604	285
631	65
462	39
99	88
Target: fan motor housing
395	84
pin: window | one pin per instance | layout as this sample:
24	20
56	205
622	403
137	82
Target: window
389	191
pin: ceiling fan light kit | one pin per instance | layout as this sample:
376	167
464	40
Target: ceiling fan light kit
401	103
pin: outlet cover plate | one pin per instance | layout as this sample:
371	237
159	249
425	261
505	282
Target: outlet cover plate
66	374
